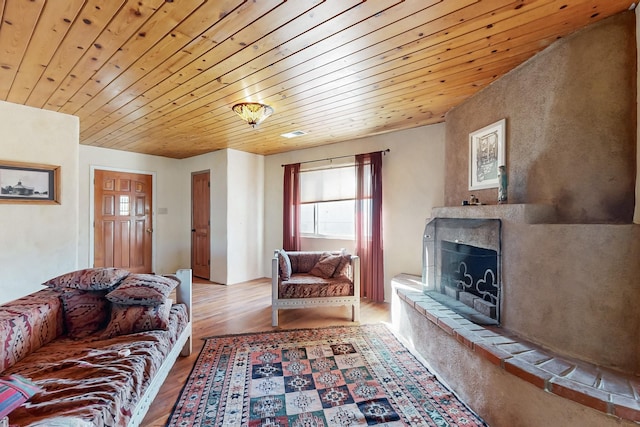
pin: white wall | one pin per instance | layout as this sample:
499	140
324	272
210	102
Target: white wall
171	235
245	217
413	183
237	223
38	242
216	164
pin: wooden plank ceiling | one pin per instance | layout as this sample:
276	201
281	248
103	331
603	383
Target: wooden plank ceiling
160	76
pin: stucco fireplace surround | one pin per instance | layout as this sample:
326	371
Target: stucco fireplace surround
547	361
567	351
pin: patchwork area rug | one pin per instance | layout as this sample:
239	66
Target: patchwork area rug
339	376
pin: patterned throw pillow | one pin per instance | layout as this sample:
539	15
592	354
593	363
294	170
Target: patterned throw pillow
285	265
343	266
326	266
85	312
129	319
143	289
14	391
89	279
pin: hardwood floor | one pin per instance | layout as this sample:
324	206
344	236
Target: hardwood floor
244	307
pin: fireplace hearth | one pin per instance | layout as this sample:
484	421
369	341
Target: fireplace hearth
461	266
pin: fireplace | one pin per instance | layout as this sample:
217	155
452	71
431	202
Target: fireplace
462	265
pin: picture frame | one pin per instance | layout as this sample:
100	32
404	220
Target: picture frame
486	153
29	183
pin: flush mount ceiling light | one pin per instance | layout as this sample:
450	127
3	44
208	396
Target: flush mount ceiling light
252	112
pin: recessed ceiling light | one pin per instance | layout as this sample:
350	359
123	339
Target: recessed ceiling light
294	134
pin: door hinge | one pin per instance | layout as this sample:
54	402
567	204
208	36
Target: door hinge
209	262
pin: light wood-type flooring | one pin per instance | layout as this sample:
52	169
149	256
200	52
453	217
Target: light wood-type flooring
240	308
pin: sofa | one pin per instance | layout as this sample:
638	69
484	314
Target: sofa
96	343
301	279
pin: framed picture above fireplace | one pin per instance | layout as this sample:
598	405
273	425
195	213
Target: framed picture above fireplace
486	153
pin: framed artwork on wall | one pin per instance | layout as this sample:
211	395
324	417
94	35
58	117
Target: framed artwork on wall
29	183
486	154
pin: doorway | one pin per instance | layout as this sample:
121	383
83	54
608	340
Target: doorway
200	224
123	228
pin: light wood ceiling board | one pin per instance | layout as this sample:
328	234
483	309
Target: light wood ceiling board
215	119
249	15
322	137
416	113
402	102
448	31
410	95
16	29
201	49
152	143
125	24
95	15
262	35
398	79
320	118
320	112
546	27
433	46
375	126
277	141
164	118
157	27
410	101
278	145
53	24
161	71
200	98
123	95
393	82
365	76
573	16
303	55
203	99
210	78
245	54
155	65
262	144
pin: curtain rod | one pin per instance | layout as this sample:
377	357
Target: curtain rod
341	157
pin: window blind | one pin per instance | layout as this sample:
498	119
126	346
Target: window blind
323	185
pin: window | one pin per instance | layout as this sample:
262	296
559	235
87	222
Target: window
328	202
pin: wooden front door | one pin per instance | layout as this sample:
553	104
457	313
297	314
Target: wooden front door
200	224
122	220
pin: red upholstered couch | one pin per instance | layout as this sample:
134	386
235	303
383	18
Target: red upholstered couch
104	378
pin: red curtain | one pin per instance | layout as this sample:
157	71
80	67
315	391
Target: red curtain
369	225
291	208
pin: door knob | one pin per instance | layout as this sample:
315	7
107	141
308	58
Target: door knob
149	230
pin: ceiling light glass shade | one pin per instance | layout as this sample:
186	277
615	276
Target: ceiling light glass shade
252	112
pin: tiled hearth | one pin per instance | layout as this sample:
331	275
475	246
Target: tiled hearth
607	391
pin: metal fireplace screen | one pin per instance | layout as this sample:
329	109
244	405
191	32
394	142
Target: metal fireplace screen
462	266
